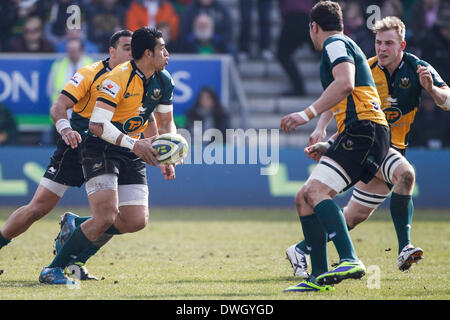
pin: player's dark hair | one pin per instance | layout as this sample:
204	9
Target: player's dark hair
143	39
328	15
114	40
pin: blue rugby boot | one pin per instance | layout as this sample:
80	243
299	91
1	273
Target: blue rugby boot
67	224
54	276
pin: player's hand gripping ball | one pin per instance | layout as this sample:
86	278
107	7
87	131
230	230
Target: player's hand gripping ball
171	147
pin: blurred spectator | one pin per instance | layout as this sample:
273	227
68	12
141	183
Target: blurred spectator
203	39
62	70
16	12
9	16
422	17
208	109
171	45
294	33
216	10
72	34
392	8
33	39
8	126
143	13
180	5
429	128
265	39
58	18
355	27
103	19
436	45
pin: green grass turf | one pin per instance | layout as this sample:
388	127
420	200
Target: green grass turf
221	254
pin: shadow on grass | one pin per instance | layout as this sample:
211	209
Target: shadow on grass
208	296
239	281
20	284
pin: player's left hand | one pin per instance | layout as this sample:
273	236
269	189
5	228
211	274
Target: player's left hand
426	81
291	122
71	137
168	171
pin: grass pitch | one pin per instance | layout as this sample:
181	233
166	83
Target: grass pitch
220	254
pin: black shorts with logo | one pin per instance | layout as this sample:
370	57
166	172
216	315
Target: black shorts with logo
100	157
65	166
360	149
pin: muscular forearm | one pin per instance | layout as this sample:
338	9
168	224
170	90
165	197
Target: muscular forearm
324	120
439	95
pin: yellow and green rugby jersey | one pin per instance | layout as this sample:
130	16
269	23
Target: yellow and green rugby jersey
134	97
363	103
83	89
400	94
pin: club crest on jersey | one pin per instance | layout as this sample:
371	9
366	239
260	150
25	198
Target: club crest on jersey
404	83
132	124
392	114
156	95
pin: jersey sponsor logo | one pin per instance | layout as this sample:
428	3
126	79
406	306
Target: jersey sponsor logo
156	95
110	88
392	114
127	95
404	83
132	124
76	79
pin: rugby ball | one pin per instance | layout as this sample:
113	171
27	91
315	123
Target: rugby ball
171	147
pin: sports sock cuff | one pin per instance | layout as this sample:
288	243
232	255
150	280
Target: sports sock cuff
80	220
400	196
113	230
3	241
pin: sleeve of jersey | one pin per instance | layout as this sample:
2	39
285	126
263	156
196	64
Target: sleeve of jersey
338	52
111	91
77	87
437	80
166	103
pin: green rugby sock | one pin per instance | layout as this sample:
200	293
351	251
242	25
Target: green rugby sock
3	241
315	244
333	221
113	230
302	244
71	249
93	248
80	220
402	210
86	254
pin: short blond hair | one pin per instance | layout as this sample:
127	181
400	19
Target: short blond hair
391	23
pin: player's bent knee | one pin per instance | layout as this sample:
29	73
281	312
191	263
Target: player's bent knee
407	177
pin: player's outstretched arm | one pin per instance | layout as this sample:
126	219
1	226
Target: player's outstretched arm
342	86
440	95
58	112
101	126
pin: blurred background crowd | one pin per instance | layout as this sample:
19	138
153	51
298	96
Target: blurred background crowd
256	33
